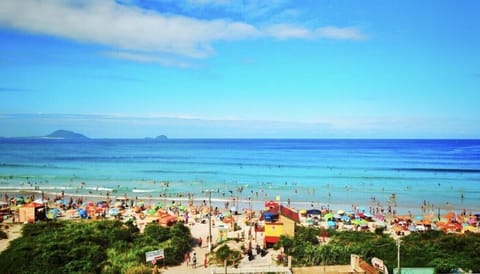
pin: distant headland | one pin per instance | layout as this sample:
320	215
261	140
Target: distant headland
66	134
158	138
62	134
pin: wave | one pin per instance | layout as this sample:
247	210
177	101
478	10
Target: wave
439	170
46	166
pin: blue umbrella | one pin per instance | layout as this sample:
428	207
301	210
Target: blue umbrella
113	212
331	224
83	213
345	218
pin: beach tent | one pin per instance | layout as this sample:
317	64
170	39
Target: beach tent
314	212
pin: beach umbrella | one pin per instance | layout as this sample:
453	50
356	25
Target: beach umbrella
314	212
83	213
328	216
303	211
341	212
102	204
159	205
331	223
419	217
228	220
379	217
397	228
53	213
345	218
151	212
469	229
453	226
271	204
113	212
450	215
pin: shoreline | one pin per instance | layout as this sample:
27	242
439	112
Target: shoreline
244	204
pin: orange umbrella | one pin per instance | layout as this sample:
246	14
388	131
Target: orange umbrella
397	228
450	215
228	219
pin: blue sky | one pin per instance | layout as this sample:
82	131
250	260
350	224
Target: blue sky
241	69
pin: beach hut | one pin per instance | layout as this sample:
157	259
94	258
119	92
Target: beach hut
288	218
31	212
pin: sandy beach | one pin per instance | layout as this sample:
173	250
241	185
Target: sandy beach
199	227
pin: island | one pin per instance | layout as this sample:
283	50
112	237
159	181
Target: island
66	134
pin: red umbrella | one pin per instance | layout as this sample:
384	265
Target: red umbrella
271	204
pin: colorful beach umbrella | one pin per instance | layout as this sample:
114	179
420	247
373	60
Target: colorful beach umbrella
328	216
331	224
345	218
419	217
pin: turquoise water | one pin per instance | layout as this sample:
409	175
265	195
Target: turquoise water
442	173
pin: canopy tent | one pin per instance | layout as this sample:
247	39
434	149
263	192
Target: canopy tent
314	212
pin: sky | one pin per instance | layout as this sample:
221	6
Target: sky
240	68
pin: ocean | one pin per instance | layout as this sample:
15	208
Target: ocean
441	174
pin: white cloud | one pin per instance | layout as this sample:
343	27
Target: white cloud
285	31
331	32
148	58
288	31
145	35
124	27
209	2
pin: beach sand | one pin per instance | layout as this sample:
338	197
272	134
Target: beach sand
198	229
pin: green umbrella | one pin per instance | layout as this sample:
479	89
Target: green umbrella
328	216
356	222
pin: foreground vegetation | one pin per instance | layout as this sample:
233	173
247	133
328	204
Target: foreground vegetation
444	252
92	247
114	247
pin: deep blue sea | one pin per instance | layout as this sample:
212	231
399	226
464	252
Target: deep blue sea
442	173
